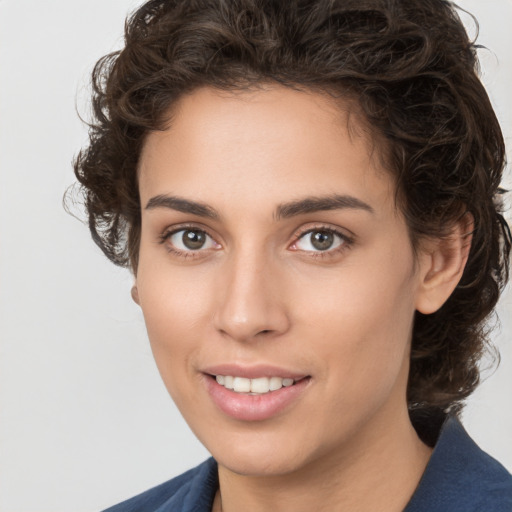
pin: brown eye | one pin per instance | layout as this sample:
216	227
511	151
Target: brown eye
322	240
319	240
191	240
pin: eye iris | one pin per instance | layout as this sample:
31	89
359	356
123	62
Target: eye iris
193	239
322	240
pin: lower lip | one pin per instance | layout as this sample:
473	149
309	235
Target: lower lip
254	407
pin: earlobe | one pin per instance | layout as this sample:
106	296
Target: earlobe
442	263
135	294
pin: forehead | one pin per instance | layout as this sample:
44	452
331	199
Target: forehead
267	142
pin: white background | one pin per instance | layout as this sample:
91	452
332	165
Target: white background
84	419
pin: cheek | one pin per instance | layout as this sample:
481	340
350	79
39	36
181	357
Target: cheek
175	308
171	297
363	297
362	322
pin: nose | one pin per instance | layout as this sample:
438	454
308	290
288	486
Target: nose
250	300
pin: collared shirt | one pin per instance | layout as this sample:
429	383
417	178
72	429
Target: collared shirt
459	477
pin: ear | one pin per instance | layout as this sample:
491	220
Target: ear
442	262
135	294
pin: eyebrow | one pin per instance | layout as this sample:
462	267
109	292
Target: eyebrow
283	211
182	205
316	204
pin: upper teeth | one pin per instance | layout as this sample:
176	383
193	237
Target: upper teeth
259	386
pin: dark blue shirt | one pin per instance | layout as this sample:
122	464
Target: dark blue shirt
459	477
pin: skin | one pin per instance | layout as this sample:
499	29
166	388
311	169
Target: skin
258	292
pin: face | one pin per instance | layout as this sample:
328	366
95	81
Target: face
273	260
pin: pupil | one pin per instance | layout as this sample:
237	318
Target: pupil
322	240
193	239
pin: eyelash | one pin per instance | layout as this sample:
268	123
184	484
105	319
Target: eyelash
346	241
166	235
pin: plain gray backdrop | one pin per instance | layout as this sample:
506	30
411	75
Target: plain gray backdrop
84	419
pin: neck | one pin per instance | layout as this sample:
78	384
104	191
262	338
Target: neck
378	471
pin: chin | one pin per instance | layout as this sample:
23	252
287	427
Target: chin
260	466
261	457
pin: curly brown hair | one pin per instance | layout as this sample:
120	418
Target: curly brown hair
414	74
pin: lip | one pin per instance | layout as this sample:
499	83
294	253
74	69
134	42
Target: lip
253	372
245	407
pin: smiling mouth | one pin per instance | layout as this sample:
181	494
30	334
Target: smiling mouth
258	386
252	397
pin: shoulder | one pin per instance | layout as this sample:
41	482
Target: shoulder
192	490
462	477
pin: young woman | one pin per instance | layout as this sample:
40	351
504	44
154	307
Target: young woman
306	193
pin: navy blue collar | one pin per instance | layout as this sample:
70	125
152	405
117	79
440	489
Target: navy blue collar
461	477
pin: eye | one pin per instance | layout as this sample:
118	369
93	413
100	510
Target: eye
319	240
186	240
